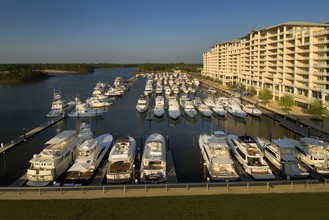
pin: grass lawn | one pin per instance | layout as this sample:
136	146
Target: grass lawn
258	206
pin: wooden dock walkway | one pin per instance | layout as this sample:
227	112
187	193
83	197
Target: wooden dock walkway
29	134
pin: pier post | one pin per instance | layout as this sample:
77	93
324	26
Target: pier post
267	185
24	134
193	138
247	186
134	174
4	161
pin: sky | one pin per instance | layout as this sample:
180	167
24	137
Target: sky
136	31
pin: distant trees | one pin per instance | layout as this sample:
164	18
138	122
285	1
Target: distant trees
156	67
287	101
317	109
265	94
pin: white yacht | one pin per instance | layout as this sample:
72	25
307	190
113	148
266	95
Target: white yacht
173	108
148	87
219	110
59	106
189	109
83	110
97	103
235	109
154	160
204	110
314	153
159	108
121	161
59	153
250	157
159	89
252	110
142	103
216	155
90	155
281	153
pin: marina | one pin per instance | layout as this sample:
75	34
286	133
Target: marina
183	157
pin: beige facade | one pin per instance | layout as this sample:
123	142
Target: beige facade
290	58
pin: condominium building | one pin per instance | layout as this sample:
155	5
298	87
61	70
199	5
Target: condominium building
289	58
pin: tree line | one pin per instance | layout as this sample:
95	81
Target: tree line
168	67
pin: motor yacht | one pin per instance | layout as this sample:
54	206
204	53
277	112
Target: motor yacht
173	108
154	160
59	106
90	155
250	157
121	161
252	110
83	110
142	103
57	156
216	154
281	153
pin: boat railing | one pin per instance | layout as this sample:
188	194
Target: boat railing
161	189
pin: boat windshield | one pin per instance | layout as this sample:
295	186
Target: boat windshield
254	161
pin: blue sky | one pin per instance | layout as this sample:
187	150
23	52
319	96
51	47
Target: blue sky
136	31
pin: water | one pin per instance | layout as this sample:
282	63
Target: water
25	105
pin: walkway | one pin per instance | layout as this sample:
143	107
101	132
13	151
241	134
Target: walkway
156	190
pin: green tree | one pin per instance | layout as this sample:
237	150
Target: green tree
265	94
287	101
241	87
317	109
251	90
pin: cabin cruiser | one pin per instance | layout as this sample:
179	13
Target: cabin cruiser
83	110
189	109
154	160
281	153
159	89
97	103
148	87
59	106
121	161
173	108
197	101
142	103
216	155
235	109
250	157
159	108
114	91
219	110
314	153
204	110
182	100
90	155
252	110
59	153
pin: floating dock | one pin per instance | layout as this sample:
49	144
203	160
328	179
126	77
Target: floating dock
29	134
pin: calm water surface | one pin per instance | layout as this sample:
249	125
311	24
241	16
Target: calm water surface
25	105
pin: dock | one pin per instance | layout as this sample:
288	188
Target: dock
171	172
100	176
29	134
